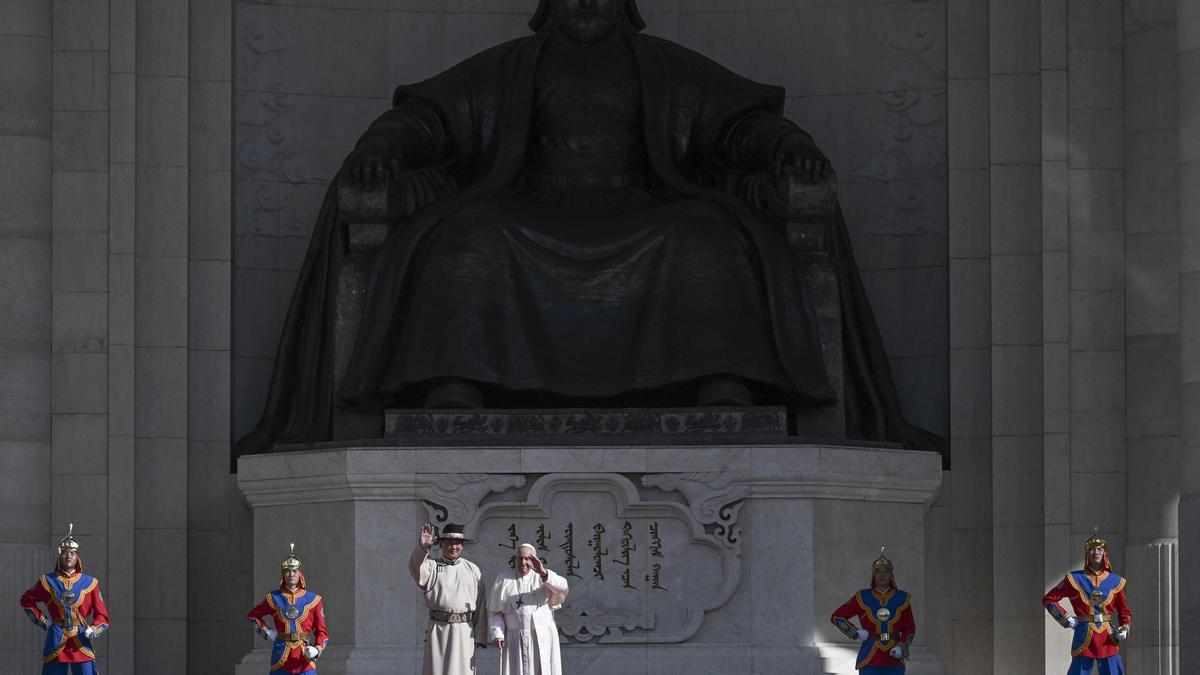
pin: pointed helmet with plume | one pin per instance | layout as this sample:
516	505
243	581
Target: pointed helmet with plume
1096	541
68	543
881	563
292	563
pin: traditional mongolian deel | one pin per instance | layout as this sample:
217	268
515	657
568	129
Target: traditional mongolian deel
1097	596
454	594
888	626
294	620
75	615
887	617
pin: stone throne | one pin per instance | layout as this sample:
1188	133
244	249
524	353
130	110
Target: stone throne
807	213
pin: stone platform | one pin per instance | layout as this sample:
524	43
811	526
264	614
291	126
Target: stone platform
641	422
706	558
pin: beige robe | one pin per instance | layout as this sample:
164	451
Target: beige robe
450	587
521	611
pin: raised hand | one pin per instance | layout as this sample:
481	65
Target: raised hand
538	566
798	155
426	539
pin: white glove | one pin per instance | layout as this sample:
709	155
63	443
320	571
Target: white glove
862	635
271	634
1072	622
896	653
311	652
1123	633
89	632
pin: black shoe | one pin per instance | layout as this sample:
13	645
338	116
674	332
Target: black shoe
454	393
723	391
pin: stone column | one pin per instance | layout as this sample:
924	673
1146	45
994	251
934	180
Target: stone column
25	366
1152	335
970	487
79	300
1057	298
161	336
1016	335
1188	27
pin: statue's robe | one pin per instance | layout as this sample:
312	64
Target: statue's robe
483	114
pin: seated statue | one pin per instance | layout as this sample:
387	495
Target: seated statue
569	236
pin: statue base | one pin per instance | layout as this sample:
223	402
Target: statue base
703	558
618	422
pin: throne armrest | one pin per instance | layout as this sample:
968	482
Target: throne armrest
370	214
806	211
364	211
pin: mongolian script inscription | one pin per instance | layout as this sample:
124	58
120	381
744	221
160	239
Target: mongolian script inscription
627	546
639	570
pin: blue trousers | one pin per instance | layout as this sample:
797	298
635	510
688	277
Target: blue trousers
1087	666
59	668
882	670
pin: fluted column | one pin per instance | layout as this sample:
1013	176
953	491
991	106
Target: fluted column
1188	27
25	326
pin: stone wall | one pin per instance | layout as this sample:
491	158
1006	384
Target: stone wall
25	361
1065	320
116	331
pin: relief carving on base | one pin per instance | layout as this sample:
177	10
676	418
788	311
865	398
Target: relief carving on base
455	497
641	570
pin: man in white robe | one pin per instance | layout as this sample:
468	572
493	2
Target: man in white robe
521	616
454	593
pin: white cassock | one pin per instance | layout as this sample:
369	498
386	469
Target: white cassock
450	587
521	611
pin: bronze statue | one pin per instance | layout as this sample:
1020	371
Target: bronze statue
572	239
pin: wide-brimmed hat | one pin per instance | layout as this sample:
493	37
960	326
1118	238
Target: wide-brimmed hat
453	532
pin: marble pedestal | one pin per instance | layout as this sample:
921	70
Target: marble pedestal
711	558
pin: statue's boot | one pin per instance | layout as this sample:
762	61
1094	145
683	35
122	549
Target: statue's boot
454	393
723	391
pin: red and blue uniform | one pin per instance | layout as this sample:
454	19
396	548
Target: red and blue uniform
888	618
299	619
73	604
1096	599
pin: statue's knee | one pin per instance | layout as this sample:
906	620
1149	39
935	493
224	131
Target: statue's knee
703	230
461	238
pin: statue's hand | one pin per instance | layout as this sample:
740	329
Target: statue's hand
372	164
798	155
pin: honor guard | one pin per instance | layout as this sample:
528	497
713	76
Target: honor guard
886	625
293	619
75	613
1097	598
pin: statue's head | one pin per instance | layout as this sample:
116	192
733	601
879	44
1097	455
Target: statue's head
587	20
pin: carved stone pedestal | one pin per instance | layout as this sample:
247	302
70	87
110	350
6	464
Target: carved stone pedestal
698	558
